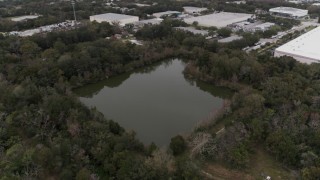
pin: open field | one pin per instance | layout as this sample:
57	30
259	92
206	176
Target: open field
261	165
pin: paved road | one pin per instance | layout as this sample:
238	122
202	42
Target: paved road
301	27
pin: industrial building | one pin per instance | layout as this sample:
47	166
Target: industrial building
264	26
230	39
154	21
142	5
305	48
166	14
236	2
289	12
194	31
251	27
193	10
114	18
23	18
222	19
43	29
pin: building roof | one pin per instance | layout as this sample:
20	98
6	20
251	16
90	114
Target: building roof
236	2
193	30
289	10
305	46
194	9
159	14
221	19
142	5
21	18
295	2
265	25
149	21
47	28
113	16
230	39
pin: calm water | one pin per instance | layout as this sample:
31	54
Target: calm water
156	102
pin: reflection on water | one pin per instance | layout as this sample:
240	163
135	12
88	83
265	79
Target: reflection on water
214	90
156	102
92	89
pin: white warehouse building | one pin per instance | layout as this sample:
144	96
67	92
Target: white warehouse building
111	18
305	48
166	14
264	26
289	12
222	19
193	10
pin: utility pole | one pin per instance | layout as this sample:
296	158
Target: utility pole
73	2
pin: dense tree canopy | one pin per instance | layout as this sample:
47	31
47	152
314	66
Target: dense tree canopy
177	145
45	132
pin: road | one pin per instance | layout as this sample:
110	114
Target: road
274	40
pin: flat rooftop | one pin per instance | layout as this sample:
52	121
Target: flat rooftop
149	21
289	10
113	16
47	28
265	25
305	46
219	20
196	9
193	30
142	5
230	39
22	18
159	14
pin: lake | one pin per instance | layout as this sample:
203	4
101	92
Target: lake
156	102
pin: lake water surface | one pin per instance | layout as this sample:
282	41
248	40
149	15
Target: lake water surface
156	102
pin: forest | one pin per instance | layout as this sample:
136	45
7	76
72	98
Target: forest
45	132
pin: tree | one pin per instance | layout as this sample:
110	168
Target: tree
59	46
151	148
283	147
239	156
177	145
83	174
115	128
186	169
224	32
29	49
195	23
50	54
311	173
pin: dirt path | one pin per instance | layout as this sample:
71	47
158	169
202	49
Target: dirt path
218	172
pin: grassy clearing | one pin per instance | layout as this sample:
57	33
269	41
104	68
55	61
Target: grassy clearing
261	165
